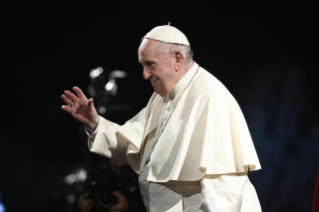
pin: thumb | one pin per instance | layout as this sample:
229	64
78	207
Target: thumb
117	194
90	104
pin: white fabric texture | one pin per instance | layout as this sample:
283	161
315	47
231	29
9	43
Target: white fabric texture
207	132
109	145
228	193
206	139
231	192
220	201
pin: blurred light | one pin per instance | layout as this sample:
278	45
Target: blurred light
2	208
71	178
110	85
96	72
75	177
102	110
114	91
82	175
70	198
118	74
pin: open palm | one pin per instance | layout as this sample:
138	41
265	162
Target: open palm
81	108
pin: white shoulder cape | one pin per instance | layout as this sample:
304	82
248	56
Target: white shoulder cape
206	134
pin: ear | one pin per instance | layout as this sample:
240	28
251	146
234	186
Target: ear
179	60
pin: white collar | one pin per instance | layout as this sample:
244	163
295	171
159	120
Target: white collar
183	82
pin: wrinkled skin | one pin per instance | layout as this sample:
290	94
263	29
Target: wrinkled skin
164	71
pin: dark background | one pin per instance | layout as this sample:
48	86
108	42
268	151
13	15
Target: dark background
267	56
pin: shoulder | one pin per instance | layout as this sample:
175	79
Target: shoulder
207	86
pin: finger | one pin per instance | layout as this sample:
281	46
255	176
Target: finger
71	96
79	92
117	194
90	109
122	202
66	100
90	104
66	108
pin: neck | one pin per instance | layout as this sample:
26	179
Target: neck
182	72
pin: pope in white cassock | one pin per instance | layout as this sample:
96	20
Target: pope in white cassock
190	145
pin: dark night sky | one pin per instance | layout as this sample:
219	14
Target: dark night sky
48	49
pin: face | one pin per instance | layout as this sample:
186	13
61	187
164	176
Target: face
157	67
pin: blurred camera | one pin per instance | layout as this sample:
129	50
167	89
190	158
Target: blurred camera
101	182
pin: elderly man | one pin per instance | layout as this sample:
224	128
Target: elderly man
190	145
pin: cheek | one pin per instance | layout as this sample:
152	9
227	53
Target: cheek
165	73
168	76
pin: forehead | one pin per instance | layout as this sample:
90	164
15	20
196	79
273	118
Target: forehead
148	50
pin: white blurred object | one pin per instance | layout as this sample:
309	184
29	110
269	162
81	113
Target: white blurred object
75	177
102	110
104	87
81	175
118	74
94	73
71	178
110	85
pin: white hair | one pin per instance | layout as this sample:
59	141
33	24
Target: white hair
168	48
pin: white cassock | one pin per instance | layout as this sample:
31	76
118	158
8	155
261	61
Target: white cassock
192	149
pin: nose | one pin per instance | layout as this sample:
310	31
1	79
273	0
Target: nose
146	74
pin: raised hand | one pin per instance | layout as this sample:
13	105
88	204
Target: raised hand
81	108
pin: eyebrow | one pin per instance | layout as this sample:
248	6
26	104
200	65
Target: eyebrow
146	61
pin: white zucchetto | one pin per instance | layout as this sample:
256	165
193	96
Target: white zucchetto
167	34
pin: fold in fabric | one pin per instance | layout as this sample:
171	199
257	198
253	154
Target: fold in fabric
206	134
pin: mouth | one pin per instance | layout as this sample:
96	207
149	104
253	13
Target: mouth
153	81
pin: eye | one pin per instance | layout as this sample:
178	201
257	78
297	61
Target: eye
149	63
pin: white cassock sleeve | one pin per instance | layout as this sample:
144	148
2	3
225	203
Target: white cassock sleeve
228	193
105	142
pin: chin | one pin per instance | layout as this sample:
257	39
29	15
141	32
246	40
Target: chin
160	92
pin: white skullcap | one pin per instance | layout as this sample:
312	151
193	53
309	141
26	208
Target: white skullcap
167	34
